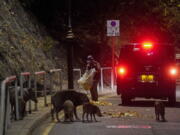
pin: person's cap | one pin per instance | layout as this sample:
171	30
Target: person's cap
90	57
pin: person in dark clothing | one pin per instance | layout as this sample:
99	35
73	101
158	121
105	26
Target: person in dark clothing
91	63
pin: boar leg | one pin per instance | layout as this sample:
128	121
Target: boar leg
87	116
57	116
94	117
91	116
12	112
75	113
83	116
65	117
71	117
52	114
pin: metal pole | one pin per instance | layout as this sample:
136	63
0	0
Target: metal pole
113	63
2	114
80	73
35	88
51	87
29	87
69	13
112	84
98	87
45	89
8	112
102	87
5	112
17	101
69	37
21	86
58	80
70	65
60	76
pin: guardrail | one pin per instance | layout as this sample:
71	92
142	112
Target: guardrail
178	77
5	105
77	73
78	70
102	78
44	91
30	80
26	80
53	71
22	78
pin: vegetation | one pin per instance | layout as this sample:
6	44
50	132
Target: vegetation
154	19
22	37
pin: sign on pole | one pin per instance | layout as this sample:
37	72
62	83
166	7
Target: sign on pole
113	31
113	28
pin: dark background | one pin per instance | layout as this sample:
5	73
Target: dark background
156	20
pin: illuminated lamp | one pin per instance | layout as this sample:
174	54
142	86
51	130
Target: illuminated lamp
173	71
121	71
147	45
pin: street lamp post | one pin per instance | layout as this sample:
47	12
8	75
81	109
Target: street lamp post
69	38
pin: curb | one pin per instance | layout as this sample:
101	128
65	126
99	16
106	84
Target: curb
29	123
36	123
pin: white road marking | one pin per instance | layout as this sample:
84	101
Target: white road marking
129	126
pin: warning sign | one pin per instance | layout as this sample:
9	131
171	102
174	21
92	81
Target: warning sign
113	27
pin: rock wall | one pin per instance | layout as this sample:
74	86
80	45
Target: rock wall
24	43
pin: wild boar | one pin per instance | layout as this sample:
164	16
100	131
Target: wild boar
91	109
28	94
159	110
60	97
21	109
68	107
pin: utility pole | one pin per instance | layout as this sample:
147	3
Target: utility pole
113	62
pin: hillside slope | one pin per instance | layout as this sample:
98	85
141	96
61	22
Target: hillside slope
24	44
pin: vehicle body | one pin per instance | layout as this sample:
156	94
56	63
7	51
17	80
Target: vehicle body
147	70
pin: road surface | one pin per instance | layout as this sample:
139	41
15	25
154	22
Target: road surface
135	119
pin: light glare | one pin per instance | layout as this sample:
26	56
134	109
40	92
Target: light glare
173	71
122	70
147	45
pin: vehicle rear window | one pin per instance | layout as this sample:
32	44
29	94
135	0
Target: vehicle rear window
158	55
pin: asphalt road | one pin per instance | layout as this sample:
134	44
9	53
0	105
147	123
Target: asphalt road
135	119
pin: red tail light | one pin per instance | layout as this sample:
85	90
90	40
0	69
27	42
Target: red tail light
121	71
173	71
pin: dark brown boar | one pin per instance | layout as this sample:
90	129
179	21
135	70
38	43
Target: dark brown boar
159	110
21	109
60	97
91	109
68	107
28	94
